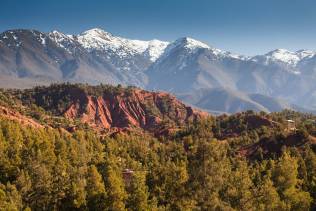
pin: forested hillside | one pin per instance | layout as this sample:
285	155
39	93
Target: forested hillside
246	161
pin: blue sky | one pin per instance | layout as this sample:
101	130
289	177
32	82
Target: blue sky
242	26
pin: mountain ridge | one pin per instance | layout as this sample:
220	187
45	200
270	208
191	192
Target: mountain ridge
30	57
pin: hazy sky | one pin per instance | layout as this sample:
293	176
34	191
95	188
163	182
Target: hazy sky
242	26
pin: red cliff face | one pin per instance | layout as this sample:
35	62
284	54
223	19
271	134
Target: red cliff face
153	111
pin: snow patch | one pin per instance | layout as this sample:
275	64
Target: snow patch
62	40
43	40
284	56
155	49
193	44
303	54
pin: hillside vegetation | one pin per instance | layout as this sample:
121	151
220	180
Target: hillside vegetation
183	160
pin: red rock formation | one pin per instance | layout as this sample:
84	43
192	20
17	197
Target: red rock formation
136	108
10	114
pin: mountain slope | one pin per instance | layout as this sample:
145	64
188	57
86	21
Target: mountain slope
278	74
94	56
34	56
230	101
192	65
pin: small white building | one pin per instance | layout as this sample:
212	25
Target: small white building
291	125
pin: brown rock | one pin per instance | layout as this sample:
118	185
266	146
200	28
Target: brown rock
135	108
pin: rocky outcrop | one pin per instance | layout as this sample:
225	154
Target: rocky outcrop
155	112
10	114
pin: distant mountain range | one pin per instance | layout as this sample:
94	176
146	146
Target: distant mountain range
197	73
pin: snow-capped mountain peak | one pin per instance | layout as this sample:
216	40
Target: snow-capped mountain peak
95	32
95	35
288	57
60	37
98	39
187	46
190	43
283	55
64	41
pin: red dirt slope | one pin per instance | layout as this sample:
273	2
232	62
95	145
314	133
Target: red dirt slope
8	113
156	112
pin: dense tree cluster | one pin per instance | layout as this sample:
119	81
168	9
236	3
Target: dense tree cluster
52	169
